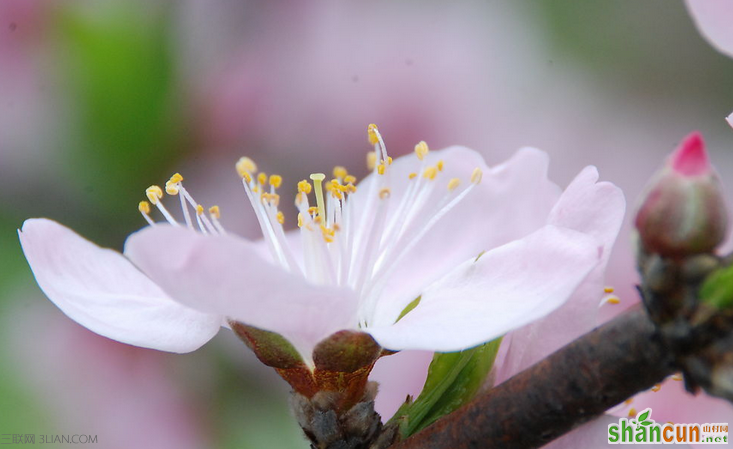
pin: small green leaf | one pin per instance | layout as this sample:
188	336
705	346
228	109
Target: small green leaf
717	290
646	423
644	416
453	379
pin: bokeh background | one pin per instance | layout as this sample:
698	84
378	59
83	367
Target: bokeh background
100	99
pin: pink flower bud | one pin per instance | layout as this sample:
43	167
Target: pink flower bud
682	212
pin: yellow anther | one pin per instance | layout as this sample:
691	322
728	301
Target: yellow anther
412	176
300	220
380	169
430	173
350	179
337	194
389	160
199	209
340	172
678	377
276	181
247	177
176	178
313	210
280	217
476	175
629	401
244	166
384	193
656	388
632	412
453	183
215	212
421	150
262	178
317	179
350	188
336	227
440	165
613	300
154	194
144	207
608	290
305	187
329	186
373	134
371	160
171	188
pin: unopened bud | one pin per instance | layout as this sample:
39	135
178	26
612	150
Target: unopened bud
682	212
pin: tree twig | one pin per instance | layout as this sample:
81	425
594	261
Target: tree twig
570	387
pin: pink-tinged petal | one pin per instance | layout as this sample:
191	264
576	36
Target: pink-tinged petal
399	375
594	208
714	18
729	119
594	435
101	290
226	275
504	289
512	201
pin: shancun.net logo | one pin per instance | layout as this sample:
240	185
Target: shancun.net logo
643	430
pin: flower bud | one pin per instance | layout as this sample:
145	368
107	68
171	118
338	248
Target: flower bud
682	212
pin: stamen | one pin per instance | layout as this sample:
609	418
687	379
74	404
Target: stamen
262	179
613	300
317	181
453	184
608	290
384	193
215	215
632	412
371	160
339	172
421	150
350	179
280	217
412	175
144	208
373	134
304	187
276	181
154	194
381	168
246	166
476	175
439	165
430	173
656	388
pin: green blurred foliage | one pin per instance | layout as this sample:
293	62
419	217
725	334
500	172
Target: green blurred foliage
128	131
650	48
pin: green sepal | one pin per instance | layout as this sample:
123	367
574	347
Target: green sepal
717	290
453	379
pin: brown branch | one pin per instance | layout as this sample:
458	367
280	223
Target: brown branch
570	387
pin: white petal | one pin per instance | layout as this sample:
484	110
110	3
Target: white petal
226	275
506	288
714	19
513	200
101	290
593	208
